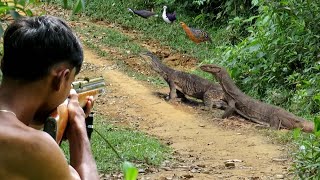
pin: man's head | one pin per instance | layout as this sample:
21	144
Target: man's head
33	46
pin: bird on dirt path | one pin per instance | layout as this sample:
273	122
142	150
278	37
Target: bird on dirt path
196	35
143	13
168	17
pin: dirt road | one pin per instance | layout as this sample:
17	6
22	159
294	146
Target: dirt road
203	144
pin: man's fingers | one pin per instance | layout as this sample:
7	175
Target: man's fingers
73	94
90	98
73	91
89	105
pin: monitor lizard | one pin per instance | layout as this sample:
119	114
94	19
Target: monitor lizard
183	83
252	109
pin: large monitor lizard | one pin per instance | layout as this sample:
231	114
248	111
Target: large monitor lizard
253	109
182	83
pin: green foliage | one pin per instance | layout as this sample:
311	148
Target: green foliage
280	53
133	146
15	9
307	157
18	8
78	6
130	172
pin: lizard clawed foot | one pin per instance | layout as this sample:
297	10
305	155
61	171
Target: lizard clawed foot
175	101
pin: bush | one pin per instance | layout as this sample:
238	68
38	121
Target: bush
281	52
307	157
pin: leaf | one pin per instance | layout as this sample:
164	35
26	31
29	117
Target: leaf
200	17
79	6
29	12
219	15
65	4
250	19
4	9
22	3
316	98
254	2
316	124
129	170
296	133
254	48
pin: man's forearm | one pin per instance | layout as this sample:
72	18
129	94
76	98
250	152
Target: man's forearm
81	158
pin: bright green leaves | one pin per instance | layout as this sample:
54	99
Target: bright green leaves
317	126
129	170
80	4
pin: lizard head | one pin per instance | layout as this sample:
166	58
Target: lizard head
211	68
151	60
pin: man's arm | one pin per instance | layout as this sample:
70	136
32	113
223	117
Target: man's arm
81	158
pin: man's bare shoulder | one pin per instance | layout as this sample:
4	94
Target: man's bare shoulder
32	154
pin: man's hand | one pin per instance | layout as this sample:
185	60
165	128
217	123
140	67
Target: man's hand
77	114
89	105
81	158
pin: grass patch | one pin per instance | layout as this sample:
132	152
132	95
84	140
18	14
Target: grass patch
109	38
132	145
278	137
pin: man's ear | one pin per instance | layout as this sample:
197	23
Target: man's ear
60	78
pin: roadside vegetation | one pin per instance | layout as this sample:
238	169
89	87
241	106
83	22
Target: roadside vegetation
271	49
131	145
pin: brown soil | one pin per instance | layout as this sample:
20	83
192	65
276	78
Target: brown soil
205	146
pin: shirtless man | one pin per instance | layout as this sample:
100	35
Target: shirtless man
41	58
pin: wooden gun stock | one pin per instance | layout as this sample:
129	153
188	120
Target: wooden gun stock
57	122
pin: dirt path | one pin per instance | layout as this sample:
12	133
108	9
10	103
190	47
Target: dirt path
202	144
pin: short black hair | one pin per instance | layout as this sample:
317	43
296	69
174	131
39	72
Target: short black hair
33	45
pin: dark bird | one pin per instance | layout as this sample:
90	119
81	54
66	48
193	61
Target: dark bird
196	35
143	13
168	17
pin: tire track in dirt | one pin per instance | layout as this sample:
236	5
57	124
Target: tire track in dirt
201	146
